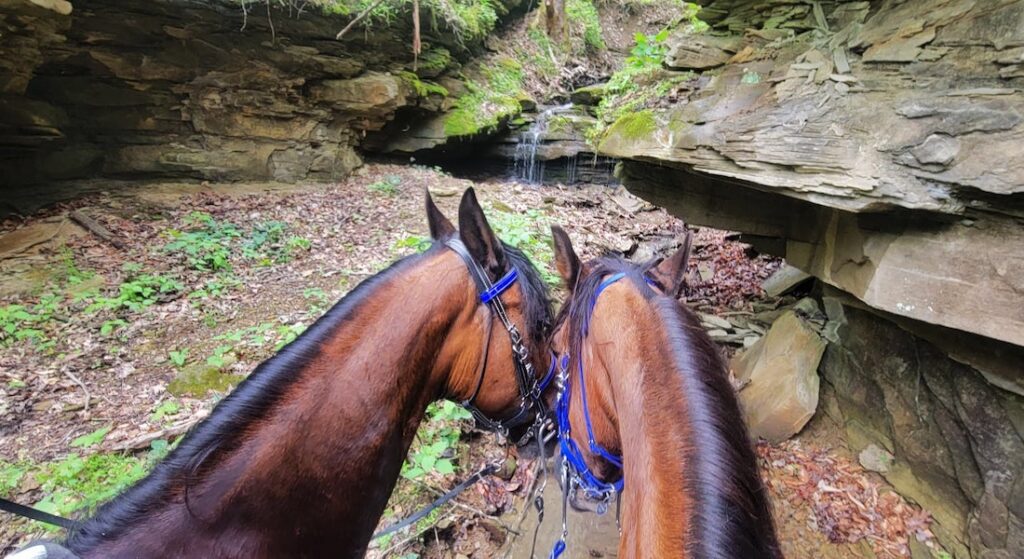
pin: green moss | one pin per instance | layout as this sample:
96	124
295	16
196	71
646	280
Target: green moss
634	126
489	101
583	15
423	88
434	60
199	379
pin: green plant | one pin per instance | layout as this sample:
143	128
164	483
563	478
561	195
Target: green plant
219	357
387	186
11	474
528	231
109	326
137	293
206	243
178	357
287	333
436	441
584	14
77	482
91	439
417	243
166	408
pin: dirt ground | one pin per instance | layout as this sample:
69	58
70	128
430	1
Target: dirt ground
136	340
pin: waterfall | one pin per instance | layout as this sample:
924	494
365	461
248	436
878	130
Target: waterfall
527	166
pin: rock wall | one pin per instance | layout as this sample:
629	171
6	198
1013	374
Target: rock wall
956	440
876	146
195	89
911	110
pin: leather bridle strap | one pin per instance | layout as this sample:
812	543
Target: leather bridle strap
490	295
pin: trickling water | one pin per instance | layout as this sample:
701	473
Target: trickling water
526	165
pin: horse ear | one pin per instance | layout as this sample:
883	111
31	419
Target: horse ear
671	273
566	261
477	235
440	227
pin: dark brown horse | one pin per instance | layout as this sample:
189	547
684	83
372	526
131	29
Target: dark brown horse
659	403
299	460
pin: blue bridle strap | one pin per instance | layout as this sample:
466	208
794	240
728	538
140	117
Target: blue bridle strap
504	283
570	450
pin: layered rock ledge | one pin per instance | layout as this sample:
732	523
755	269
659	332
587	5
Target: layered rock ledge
878	146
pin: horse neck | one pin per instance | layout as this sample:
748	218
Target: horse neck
669	461
313	475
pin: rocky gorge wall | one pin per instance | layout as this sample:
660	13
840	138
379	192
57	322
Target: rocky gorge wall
197	89
876	146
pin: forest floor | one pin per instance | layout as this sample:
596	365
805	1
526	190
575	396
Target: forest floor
113	349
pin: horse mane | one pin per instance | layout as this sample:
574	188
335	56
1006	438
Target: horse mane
261	391
731	513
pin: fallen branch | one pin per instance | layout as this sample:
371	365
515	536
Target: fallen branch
95	228
358	18
143	441
78	381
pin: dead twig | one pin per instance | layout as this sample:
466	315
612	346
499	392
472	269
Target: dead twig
78	381
143	441
358	18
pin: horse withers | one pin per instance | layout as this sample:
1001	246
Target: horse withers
300	459
647	414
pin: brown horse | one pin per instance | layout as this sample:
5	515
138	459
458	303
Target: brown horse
299	460
646	410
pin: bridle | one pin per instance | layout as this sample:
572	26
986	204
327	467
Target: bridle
574	473
530	389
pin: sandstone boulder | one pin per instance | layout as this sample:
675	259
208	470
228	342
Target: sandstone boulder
779	375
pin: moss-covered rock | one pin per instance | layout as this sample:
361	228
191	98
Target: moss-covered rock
199	379
489	102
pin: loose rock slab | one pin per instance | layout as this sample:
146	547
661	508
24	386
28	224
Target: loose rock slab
781	375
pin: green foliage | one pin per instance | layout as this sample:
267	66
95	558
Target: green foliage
178	356
530	232
583	14
206	244
76	483
436	441
11	474
417	243
136	294
19	323
110	326
648	51
209	245
91	439
388	186
288	333
486	105
219	357
165	409
640	81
